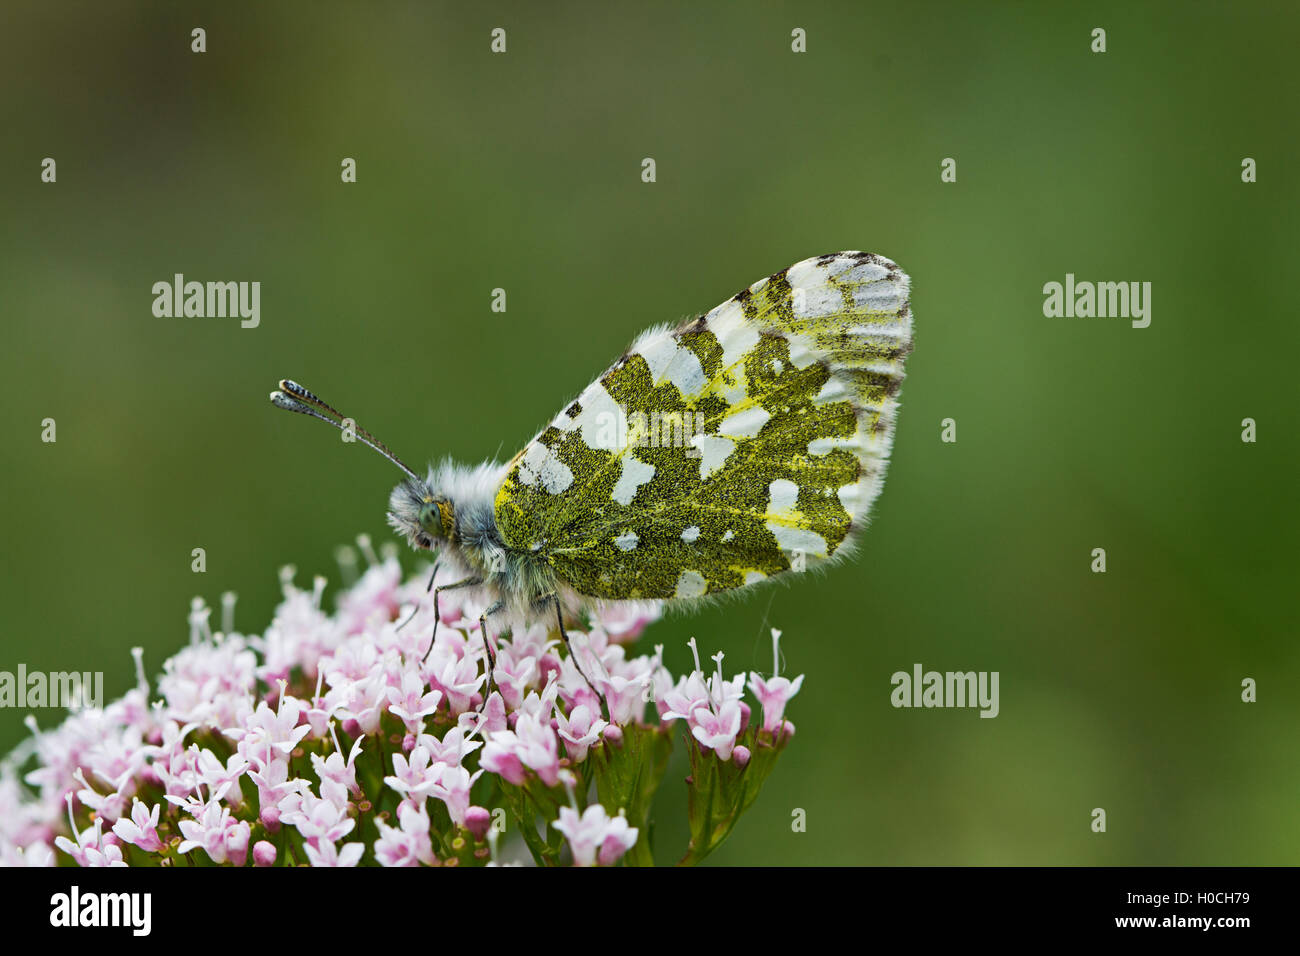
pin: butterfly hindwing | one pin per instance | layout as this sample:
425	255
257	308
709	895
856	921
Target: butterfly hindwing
748	442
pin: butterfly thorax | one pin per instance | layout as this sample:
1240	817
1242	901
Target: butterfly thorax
451	513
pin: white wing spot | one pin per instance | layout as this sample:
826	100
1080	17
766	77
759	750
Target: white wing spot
691	533
832	391
850	496
563	422
690	584
803	352
732	330
635	474
687	373
745	424
668	360
539	465
627	541
729	535
823	446
714	451
781	497
658	354
798	539
599	418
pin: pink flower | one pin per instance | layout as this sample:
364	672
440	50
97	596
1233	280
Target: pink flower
681	700
713	711
579	730
339	775
459	678
454	746
717	731
107	806
214	831
408	844
626	696
595	836
490	720
172	744
410	703
537	747
221	778
273	785
300	635
624	621
775	693
452	788
531	744
500	757
414	775
515	672
321	712
375	599
366	700
35	854
141	828
327	854
237	842
319	821
93	847
268	731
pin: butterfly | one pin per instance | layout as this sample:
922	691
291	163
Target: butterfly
742	445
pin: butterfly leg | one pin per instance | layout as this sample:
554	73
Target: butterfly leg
468	582
417	607
487	647
559	618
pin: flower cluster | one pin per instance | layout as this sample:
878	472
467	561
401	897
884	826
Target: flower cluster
348	738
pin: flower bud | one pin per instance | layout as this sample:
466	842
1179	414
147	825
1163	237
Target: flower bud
478	821
263	853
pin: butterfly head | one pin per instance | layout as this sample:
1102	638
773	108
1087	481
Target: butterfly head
424	517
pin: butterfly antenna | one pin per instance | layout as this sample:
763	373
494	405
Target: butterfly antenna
293	397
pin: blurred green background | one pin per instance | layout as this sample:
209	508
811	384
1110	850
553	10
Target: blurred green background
522	171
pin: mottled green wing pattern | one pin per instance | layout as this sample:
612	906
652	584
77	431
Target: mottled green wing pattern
741	445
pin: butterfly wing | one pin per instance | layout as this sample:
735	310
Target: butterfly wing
746	443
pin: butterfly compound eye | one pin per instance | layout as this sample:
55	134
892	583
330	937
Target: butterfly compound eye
431	519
